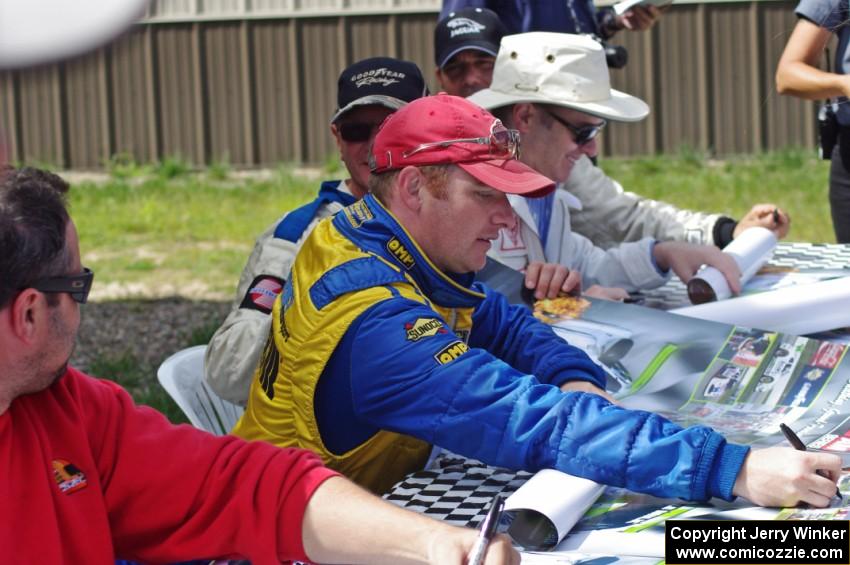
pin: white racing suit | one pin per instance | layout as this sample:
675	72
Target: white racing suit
234	349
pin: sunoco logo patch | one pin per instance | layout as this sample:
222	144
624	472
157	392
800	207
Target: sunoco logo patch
400	252
451	352
423	327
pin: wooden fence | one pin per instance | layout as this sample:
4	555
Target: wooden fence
258	91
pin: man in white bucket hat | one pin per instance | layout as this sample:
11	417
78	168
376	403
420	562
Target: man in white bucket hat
609	215
555	89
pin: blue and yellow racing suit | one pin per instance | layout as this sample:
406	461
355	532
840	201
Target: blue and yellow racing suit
374	354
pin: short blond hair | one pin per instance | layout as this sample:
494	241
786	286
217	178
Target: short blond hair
436	182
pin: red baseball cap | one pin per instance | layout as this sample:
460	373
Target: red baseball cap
444	129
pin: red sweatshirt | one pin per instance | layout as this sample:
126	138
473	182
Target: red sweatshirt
86	476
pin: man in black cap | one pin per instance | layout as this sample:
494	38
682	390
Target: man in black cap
465	46
368	91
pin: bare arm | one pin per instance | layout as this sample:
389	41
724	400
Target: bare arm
797	73
686	258
768	216
345	524
640	18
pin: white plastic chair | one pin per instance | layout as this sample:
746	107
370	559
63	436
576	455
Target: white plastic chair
182	377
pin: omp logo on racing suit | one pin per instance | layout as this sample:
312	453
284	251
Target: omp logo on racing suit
451	352
461	26
68	477
401	253
358	213
382	76
423	327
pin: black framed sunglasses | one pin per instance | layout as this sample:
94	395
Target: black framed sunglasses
78	286
356	132
582	135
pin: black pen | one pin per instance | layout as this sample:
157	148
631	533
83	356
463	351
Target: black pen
634	298
487	531
776	216
797	444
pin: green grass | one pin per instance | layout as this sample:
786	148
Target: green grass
793	179
139	379
181	229
162	224
158	224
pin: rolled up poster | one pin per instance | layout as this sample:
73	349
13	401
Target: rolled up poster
750	250
547	506
796	310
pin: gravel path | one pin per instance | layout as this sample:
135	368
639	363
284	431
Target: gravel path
147	330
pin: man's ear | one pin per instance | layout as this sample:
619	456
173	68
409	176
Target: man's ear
522	115
335	133
411	184
26	313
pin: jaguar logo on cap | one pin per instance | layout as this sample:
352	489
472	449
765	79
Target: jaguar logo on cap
462	26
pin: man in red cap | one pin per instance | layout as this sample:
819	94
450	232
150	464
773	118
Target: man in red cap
382	345
90	477
368	91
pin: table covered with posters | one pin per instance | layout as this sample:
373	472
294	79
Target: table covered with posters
741	381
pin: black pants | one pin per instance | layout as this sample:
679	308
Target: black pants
839	187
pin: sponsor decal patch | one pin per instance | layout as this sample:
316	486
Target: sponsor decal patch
262	293
423	327
451	352
68	477
400	252
358	213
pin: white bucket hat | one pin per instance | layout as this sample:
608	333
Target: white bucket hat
561	69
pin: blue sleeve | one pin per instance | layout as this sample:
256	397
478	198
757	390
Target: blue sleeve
466	400
828	14
514	335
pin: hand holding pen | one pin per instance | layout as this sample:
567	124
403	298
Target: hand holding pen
797	444
487	531
768	216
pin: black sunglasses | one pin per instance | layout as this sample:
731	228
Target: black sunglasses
356	132
78	286
582	135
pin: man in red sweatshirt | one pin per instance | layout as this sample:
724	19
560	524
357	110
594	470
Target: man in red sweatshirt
89	477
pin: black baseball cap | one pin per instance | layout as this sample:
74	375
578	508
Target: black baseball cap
381	81
470	28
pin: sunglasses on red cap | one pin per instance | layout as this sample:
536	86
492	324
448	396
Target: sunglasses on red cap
503	142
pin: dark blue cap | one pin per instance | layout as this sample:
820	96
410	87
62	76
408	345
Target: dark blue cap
380	81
